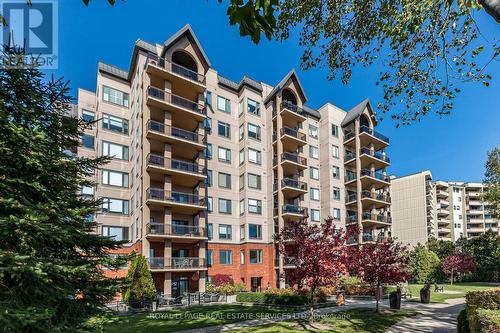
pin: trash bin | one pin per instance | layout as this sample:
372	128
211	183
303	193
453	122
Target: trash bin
395	300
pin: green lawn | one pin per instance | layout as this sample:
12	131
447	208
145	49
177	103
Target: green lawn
182	318
457	290
349	321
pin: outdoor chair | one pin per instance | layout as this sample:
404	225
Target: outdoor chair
438	289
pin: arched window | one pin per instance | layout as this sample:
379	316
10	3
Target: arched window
289	96
363	121
185	60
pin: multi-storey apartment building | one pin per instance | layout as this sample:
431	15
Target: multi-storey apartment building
205	170
440	209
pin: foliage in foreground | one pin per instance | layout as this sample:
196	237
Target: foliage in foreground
492	180
139	287
51	260
423	265
483	311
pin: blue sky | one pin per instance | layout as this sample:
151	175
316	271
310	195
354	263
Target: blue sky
453	147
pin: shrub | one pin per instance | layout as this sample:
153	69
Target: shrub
225	288
353	285
274	297
483	310
462	322
423	265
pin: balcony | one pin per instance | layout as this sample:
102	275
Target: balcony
186	173
176	231
184	139
182	77
368	157
185	203
350	176
175	104
441	194
288	262
379	200
177	264
349	157
368	238
293	211
351	219
378	179
442	212
442	221
292	111
292	163
369	136
443	230
351	198
292	139
292	187
374	219
349	136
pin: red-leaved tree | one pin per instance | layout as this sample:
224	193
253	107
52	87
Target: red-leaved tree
378	264
318	252
458	264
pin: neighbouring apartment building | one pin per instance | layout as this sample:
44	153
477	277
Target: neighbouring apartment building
205	170
443	210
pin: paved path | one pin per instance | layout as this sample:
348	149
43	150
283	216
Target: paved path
434	318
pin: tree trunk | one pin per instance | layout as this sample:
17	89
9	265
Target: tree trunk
451	276
312	302
377	295
492	7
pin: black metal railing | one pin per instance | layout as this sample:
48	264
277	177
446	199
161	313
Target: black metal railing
176	263
376	175
293	209
169	163
156	126
377	196
176	230
289	182
366	129
292	107
294	158
176	68
176	100
177	197
293	132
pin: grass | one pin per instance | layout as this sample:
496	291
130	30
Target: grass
457	290
182	318
350	321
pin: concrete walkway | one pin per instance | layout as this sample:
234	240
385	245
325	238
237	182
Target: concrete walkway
435	318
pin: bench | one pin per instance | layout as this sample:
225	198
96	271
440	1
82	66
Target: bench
438	289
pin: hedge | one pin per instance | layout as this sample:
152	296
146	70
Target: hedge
272	299
462	322
483	311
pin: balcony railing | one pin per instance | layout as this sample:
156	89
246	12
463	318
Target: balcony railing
176	263
292	107
289	182
349	155
377	155
376	196
350	175
165	162
367	238
294	158
176	230
366	129
292	209
176	100
349	135
376	175
293	132
177	197
176	68
158	127
376	217
350	197
351	219
287	261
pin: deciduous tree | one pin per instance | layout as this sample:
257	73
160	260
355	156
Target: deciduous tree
456	264
492	181
423	264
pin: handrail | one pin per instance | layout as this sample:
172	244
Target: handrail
165	162
292	107
176	230
366	129
294	158
176	262
293	132
376	196
288	208
289	182
159	127
376	175
176	68
177	197
176	100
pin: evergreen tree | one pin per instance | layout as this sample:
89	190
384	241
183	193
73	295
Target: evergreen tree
139	285
51	258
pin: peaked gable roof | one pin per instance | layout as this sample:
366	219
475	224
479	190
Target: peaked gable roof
356	111
291	75
189	33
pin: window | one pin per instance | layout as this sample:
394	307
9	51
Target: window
314	192
242	156
210	257
254	181
225	257
242	132
208	125
208	151
225	231
253	131
254	206
314	173
224	129
335	172
313	152
253	107
242	206
210	231
242	258
208	97
115	150
242	232
242	181
335	151
88	116
209	180
117	233
88	141
254	156
336	193
336	214
116	206
335	131
255	256
114	96
224	155
114	178
223	104
225	206
255	231
114	123
87	190
210	204
313	131
240	108
224	180
315	215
